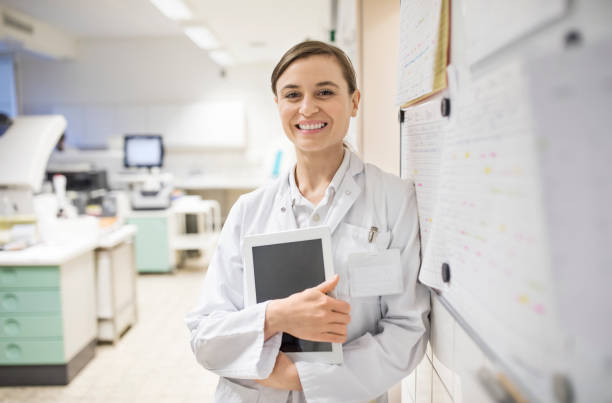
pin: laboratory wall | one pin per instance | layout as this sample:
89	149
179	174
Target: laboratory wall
380	38
114	80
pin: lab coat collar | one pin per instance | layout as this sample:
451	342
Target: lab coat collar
283	208
344	199
347	193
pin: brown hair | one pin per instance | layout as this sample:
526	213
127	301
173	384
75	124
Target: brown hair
311	48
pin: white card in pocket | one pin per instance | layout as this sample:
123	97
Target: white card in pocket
375	273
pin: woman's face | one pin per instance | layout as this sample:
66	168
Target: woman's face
314	103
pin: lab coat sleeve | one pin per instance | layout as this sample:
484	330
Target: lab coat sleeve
374	363
227	338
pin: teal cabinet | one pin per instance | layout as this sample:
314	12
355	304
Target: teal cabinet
17	301
47	320
16	277
31	326
23	352
152	244
31	330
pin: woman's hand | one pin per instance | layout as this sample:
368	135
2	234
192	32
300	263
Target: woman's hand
310	315
284	375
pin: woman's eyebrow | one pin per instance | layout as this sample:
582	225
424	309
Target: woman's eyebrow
319	84
290	86
326	83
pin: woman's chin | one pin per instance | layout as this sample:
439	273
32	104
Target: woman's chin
313	147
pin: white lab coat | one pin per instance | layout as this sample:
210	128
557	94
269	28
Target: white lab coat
387	334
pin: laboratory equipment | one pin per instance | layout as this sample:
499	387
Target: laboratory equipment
45	340
63	207
79	180
24	150
152	194
147	151
87	189
143	151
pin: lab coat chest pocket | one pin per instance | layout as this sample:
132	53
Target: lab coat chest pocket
375	273
367	268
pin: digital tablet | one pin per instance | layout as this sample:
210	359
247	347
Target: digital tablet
283	263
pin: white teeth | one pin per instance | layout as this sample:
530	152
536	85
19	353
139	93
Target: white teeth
312	126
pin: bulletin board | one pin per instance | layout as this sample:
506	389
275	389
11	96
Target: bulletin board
509	158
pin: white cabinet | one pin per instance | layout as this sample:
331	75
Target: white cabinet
116	284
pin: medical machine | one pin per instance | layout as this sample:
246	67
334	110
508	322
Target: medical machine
87	189
147	151
80	180
25	148
143	151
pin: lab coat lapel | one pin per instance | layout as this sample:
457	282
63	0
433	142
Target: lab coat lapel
347	194
282	209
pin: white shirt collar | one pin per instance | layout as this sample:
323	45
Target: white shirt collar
298	198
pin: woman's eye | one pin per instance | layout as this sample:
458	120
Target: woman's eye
326	92
291	95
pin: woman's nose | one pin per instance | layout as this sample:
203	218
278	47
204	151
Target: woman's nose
308	106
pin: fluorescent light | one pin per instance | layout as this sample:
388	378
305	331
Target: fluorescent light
221	57
173	9
202	37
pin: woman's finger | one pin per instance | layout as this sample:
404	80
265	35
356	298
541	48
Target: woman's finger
336	338
340	318
336	329
338	305
328	285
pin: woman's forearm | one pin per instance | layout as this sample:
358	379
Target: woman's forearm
284	375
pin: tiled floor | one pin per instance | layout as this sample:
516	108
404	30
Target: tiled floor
151	363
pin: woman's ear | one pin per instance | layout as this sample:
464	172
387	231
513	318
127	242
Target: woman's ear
355	100
276	100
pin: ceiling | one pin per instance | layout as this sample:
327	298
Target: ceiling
251	30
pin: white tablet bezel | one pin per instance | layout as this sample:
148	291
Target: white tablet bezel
305	234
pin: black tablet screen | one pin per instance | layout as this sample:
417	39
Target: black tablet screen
284	269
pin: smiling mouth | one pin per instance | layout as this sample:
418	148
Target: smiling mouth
312	126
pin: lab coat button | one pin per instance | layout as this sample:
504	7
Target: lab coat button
348	192
316	218
283	209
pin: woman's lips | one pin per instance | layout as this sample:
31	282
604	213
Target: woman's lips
311	127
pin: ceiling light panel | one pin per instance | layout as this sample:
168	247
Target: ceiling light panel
202	37
173	9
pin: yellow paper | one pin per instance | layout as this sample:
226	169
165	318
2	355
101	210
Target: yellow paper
423	53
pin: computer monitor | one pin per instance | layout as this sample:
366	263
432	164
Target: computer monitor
143	150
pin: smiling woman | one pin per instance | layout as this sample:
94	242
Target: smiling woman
315	105
380	310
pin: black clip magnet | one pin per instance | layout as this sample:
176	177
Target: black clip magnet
446	274
445	107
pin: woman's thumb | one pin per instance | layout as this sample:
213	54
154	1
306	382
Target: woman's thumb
328	285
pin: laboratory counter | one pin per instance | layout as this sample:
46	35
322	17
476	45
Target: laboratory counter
49	322
47	254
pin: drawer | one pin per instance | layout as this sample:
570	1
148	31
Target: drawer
30	301
31	352
31	326
37	276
